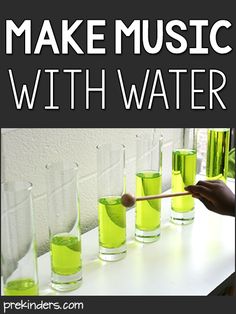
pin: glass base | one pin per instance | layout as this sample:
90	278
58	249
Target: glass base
112	255
66	283
182	218
147	236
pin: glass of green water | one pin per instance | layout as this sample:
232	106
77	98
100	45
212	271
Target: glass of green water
184	168
64	225
217	153
18	246
111	213
148	182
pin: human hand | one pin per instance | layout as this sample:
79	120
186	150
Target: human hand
215	195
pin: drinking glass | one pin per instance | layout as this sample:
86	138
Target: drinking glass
18	245
64	225
111	213
184	167
217	154
148	182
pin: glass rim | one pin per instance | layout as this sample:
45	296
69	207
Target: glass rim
58	165
16	186
219	129
111	144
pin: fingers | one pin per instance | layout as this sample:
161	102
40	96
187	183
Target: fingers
210	183
213	184
199	190
204	189
205	183
214	194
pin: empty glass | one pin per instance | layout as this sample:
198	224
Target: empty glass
18	245
111	213
148	182
64	225
184	168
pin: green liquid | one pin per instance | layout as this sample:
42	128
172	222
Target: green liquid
148	213
66	254
184	165
21	287
112	222
217	154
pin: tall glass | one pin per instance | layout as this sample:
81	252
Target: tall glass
148	182
18	245
111	213
217	154
184	168
64	225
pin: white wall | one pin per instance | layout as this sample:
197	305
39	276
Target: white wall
25	152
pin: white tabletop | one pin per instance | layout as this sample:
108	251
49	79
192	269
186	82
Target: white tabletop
187	260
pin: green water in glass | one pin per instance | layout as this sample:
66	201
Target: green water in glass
184	165
21	287
112	222
217	154
148	213
65	254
